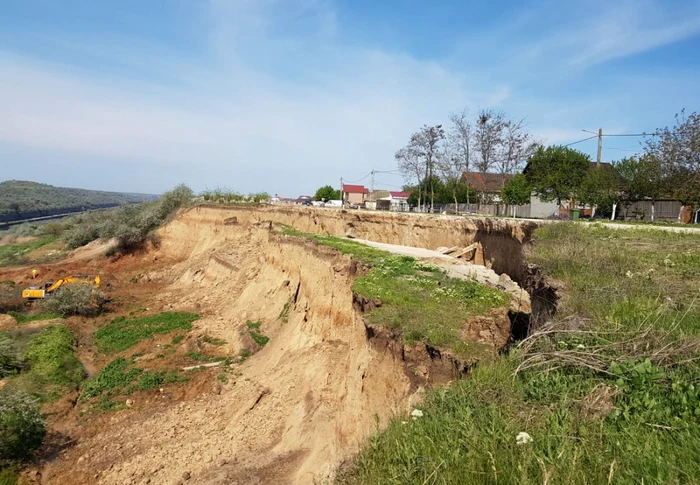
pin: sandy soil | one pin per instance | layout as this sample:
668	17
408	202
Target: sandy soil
296	409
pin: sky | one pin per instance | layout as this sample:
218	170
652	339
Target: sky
284	96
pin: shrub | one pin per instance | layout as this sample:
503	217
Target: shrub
22	428
10	362
75	299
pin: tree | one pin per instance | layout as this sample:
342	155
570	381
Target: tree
425	145
516	146
488	136
556	172
516	192
677	151
601	188
327	192
459	141
411	168
450	167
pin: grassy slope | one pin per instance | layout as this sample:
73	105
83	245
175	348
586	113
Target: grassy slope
50	366
617	284
23	197
15	253
418	299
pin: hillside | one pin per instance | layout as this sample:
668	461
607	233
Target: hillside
24	200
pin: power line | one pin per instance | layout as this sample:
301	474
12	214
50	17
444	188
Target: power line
356	181
585	139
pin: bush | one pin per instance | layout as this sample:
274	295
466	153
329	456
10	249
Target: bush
10	362
22	428
75	299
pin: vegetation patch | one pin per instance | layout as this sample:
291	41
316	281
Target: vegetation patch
22	430
253	330
606	393
417	299
75	299
43	365
14	254
121	377
23	318
122	333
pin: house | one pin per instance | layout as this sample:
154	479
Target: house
387	200
488	185
354	194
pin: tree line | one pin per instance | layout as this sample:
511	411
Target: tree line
668	167
435	158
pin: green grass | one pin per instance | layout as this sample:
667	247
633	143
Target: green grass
51	354
177	339
121	377
258	337
634	421
122	333
213	341
9	476
44	364
23	318
417	299
16	253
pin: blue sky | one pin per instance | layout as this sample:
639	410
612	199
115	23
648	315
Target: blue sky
285	96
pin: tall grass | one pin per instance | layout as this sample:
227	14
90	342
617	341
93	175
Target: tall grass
634	420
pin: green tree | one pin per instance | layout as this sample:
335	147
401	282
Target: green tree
556	172
516	192
327	192
602	188
640	178
677	151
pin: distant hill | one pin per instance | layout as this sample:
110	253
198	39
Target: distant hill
24	200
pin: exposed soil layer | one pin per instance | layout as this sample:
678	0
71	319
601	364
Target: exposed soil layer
300	405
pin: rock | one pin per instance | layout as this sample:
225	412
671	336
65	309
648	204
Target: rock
186	476
129	403
222	462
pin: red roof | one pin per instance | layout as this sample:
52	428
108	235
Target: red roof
486	182
399	195
355	189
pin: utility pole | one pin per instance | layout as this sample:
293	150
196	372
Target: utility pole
371	190
342	193
600	147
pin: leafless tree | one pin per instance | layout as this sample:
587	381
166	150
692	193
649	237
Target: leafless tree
459	140
515	147
488	136
450	166
411	166
426	145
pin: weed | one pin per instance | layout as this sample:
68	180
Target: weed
200	357
122	333
213	340
177	339
245	353
23	318
222	378
259	338
284	314
253	325
114	376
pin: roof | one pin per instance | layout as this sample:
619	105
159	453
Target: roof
399	195
486	182
355	189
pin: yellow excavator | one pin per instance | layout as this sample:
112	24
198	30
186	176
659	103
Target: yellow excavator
47	289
